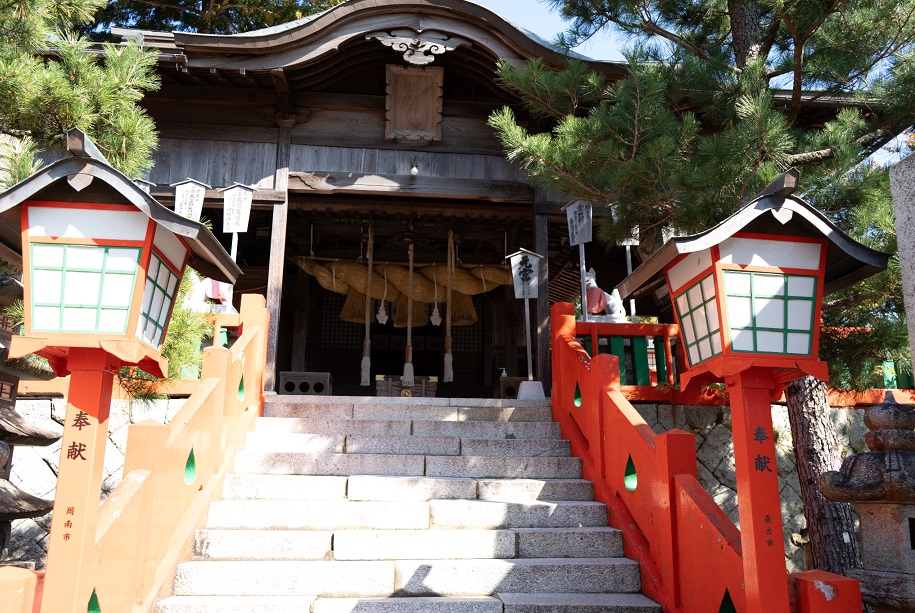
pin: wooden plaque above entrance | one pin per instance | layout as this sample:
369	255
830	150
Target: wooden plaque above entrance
413	109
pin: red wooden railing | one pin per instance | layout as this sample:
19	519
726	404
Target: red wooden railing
688	549
171	474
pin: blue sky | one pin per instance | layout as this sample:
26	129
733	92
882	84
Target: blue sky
536	16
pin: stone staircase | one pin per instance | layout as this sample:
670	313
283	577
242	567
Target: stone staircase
389	505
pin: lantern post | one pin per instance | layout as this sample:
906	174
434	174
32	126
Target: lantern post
747	295
102	262
526	280
578	217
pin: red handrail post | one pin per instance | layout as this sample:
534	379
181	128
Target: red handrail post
676	454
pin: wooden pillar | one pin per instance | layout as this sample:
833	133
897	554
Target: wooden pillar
761	533
71	545
277	248
542	325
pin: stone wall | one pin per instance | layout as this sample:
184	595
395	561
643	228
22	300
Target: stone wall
715	457
35	468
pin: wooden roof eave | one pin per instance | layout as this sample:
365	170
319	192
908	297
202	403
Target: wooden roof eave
848	261
311	38
207	255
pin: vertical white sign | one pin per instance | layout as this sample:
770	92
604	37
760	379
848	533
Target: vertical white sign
525	273
236	208
578	215
189	199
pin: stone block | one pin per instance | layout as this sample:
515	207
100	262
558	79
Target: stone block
649	412
32	473
467	604
528	468
701	419
484	429
490	514
398	412
289	463
295	442
332	426
234	604
407	445
174	405
284	578
318	515
263	544
514	447
473	577
527	414
578	603
325	410
719	444
423	544
594	542
706	478
283	487
364	487
726	474
509	490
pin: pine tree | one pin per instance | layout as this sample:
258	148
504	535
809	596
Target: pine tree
51	80
203	17
720	98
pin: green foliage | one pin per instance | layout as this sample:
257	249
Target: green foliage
51	80
181	346
719	99
203	17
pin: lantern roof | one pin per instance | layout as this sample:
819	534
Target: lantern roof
67	180
774	211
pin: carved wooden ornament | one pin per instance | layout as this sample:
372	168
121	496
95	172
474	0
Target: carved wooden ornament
419	47
414	103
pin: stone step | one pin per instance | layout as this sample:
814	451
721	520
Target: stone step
420	604
292	463
577	603
401	400
317	515
394	488
586	542
485	577
514	448
488	429
236	604
240	544
283	487
484	466
513	490
376	427
356	579
532	514
423	544
405	412
293	441
407	445
506	490
263	544
334	426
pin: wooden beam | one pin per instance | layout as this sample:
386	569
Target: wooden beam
277	252
405	185
213	198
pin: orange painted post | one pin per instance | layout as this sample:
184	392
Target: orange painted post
817	591
71	543
19	590
764	571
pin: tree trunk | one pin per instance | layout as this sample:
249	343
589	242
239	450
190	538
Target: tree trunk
744	31
816	449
